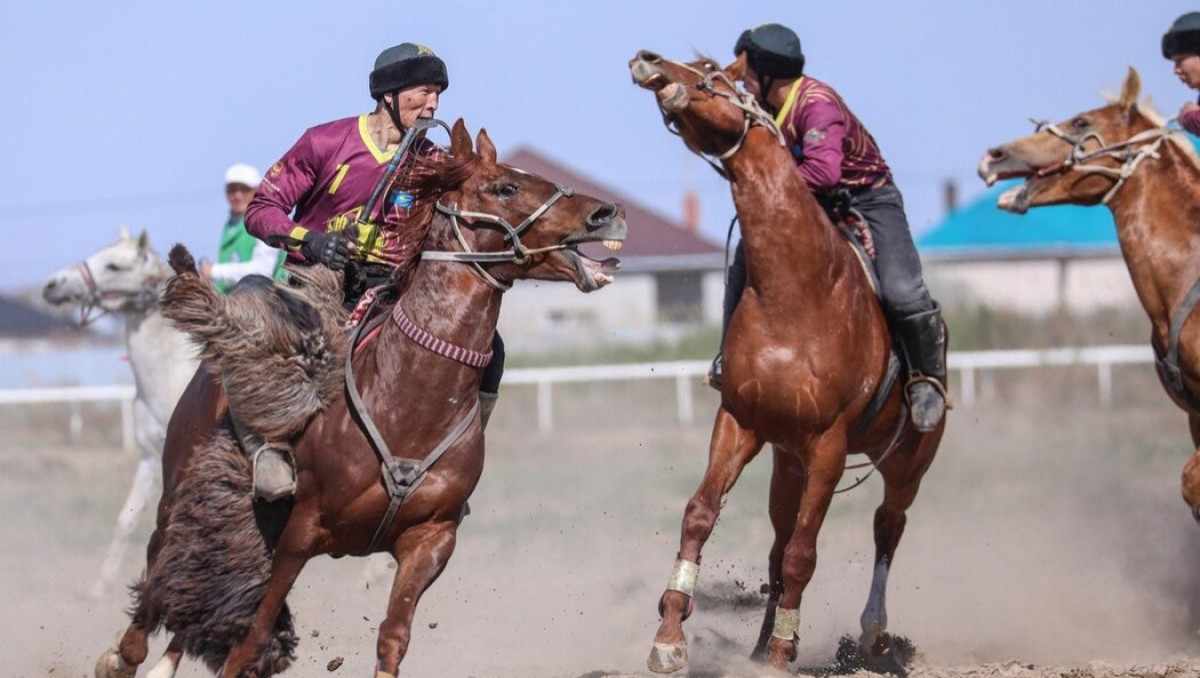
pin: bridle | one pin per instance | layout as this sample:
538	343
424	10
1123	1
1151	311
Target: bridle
140	299
519	254
752	113
1124	152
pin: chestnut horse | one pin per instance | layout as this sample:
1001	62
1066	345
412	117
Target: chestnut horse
1123	156
418	377
806	353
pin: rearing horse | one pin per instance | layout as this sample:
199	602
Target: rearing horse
418	375
1148	176
806	355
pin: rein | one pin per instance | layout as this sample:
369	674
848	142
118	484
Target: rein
1129	158
519	254
141	299
752	114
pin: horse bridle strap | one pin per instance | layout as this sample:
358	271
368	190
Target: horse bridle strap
519	254
439	346
140	299
401	476
1122	151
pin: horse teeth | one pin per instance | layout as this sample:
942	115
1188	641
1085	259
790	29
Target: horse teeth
613	244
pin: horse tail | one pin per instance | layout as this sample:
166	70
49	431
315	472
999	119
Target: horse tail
215	562
268	342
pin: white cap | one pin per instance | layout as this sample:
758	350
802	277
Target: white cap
245	175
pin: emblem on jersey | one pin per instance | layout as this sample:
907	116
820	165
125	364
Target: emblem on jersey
814	135
275	170
401	199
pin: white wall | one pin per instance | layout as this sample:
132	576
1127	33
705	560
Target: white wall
1033	285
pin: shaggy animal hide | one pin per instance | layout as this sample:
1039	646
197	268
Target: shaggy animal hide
278	348
215	562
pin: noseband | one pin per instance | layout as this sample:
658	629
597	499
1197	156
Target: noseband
519	253
94	298
752	114
1129	153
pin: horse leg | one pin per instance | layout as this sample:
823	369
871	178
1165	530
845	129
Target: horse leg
1190	481
902	474
165	668
421	554
291	554
732	447
824	460
787	481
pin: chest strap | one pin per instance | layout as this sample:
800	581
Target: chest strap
1168	363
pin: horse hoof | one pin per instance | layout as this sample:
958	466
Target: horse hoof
667	658
110	665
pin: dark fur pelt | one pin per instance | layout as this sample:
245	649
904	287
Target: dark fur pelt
278	348
215	562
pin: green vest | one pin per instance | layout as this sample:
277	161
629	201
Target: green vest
238	245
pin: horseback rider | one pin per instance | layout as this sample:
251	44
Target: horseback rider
240	253
1181	44
842	165
327	177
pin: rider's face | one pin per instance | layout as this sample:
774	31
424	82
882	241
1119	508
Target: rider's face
239	196
1187	69
418	101
750	82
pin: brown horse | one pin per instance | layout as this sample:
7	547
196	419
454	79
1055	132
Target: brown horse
418	375
806	354
1123	156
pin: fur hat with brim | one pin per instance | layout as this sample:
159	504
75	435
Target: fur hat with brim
1183	37
405	65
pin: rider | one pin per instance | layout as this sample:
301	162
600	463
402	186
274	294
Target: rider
1181	44
842	165
327	177
240	253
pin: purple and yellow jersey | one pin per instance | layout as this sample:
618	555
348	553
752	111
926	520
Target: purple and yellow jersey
326	178
832	148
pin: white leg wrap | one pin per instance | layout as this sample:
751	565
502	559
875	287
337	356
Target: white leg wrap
787	624
683	577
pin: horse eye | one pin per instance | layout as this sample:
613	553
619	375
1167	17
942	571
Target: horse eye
507	190
111	267
1080	123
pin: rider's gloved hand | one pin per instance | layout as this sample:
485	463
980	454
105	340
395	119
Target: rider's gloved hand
331	249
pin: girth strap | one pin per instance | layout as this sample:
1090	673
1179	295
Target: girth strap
1168	364
401	476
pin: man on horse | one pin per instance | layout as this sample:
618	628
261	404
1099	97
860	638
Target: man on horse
327	178
1181	44
842	165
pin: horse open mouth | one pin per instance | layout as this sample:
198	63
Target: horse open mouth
593	274
1018	198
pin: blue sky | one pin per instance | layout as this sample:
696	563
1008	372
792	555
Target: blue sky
129	112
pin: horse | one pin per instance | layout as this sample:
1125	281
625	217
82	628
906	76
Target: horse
126	278
1125	157
418	369
808	368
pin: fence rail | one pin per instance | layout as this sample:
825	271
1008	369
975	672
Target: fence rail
968	364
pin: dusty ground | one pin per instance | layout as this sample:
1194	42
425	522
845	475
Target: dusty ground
1049	540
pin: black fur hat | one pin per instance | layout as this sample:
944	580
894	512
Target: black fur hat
405	65
772	50
1183	37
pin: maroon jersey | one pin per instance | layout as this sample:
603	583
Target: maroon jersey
832	148
327	178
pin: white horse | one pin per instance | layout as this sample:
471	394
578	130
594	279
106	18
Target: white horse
126	277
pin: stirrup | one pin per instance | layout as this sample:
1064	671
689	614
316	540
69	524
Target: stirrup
916	414
716	373
277	477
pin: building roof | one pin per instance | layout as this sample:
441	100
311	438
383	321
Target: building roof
981	229
650	234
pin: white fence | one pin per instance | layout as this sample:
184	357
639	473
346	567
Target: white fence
685	373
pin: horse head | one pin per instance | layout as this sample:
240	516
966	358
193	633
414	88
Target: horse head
123	276
511	224
1082	160
701	102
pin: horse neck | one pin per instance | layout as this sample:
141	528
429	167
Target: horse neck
162	358
1157	213
784	230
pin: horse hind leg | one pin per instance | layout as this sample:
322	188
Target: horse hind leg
732	447
135	504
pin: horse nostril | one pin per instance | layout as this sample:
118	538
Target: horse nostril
996	154
602	215
649	57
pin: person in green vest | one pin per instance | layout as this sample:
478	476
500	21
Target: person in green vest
240	253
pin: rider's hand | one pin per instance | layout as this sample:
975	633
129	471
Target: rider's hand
331	249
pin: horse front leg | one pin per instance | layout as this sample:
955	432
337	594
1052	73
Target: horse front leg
732	447
1190	481
421	554
787	484
824	460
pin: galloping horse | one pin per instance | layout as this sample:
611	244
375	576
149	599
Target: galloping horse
807	364
1123	156
417	369
126	278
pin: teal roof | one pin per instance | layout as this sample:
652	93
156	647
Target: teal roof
981	227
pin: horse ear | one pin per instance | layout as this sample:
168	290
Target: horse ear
143	241
123	233
1131	89
460	140
487	150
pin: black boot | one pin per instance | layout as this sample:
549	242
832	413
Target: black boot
487	403
923	341
735	282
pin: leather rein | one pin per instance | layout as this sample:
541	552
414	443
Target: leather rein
140	299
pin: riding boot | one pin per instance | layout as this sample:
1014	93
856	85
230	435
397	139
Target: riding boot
923	341
272	467
735	283
487	403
